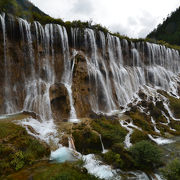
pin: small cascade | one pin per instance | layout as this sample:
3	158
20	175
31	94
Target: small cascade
169	112
154	124
129	127
168	121
71	143
160	140
103	149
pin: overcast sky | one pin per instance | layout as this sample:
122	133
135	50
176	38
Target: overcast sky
134	18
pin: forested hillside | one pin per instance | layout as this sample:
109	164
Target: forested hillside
169	30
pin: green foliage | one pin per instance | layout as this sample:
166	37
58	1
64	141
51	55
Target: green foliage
18	160
122	158
172	170
113	158
146	155
9	6
169	30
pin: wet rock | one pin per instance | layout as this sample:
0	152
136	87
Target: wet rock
59	101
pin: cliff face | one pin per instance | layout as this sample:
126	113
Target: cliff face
63	73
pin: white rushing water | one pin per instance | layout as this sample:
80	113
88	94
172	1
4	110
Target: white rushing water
129	126
97	168
103	149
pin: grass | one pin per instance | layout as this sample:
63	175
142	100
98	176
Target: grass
45	170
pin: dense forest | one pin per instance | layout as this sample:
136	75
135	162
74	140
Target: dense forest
169	30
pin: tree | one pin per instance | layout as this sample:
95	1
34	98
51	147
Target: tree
146	155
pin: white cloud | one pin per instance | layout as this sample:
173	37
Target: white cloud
135	18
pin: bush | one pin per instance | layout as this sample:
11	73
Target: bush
172	170
113	158
146	155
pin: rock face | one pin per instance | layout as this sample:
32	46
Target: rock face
59	101
61	73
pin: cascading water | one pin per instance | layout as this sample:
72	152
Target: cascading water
68	71
8	103
117	71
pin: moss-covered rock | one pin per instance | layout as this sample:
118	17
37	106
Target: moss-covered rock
87	141
138	135
141	120
110	130
18	149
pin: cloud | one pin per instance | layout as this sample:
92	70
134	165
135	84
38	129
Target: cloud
132	21
132	18
83	7
122	29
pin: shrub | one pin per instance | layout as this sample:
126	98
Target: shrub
172	170
146	155
113	158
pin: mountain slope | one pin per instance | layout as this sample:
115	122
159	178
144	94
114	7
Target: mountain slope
22	8
169	30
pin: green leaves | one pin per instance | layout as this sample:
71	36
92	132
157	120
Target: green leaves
146	155
172	170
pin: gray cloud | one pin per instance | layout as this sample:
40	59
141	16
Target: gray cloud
132	21
83	7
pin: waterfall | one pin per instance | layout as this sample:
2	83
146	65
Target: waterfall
68	71
103	149
154	124
8	103
102	95
117	69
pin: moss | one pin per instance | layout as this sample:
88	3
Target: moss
45	170
141	120
172	170
138	136
17	148
113	158
110	130
87	141
175	125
